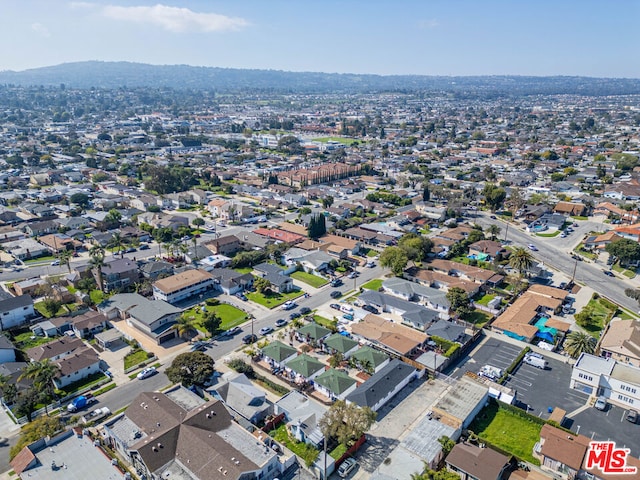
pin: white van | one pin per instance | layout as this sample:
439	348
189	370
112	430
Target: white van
536	360
346	308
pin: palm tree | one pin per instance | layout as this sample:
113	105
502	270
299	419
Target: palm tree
521	259
184	325
494	231
65	258
97	261
117	242
579	342
42	374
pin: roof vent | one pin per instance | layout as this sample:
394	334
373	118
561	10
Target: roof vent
213	412
224	473
154	449
160	445
220	469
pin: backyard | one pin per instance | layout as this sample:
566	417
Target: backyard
507	430
27	340
303	450
309	278
273	299
599	311
325	322
478	318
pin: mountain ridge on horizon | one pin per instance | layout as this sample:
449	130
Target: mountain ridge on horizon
117	74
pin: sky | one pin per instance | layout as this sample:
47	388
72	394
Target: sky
428	37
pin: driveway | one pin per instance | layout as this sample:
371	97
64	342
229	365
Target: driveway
490	351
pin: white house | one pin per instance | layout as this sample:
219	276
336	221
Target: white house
77	366
7	350
15	311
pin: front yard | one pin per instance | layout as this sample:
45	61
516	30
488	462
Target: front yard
27	340
507	430
273	300
374	284
309	278
230	316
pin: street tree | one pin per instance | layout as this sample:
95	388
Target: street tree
493	230
521	260
327	201
494	196
191	368
394	258
625	250
346	422
211	322
97	262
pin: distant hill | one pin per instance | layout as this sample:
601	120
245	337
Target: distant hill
126	74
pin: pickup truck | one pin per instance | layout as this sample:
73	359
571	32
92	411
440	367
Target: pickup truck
80	402
96	415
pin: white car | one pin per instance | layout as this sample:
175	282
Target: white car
266	330
146	373
532	247
347	467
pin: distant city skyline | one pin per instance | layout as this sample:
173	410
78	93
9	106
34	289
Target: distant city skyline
424	37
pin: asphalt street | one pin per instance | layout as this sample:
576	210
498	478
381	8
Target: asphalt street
555	253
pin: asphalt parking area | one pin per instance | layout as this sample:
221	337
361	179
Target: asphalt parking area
540	389
493	352
606	426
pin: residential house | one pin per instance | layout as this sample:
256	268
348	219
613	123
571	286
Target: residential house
312	333
561	453
382	386
152	270
303	368
600	242
277	354
183	285
26	249
15	311
231	282
431	278
621	341
176	434
228	245
118	274
302	414
88	324
78	365
571	209
314	262
473	462
487	250
55	350
334	384
36	229
30	286
449	331
242	397
467	272
432	298
342	344
155	318
370	359
413	314
393	337
7	350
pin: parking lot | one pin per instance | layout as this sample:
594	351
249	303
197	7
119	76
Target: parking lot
492	352
540	389
607	425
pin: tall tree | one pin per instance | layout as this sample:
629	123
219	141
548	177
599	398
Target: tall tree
459	301
624	250
346	422
394	258
42	374
579	342
494	196
184	326
191	368
97	261
211	322
493	230
521	259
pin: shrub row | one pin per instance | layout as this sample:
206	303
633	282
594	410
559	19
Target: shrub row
513	365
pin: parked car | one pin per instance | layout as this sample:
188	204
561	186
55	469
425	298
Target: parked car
532	247
601	404
576	257
144	246
336	294
250	338
305	311
130	250
371	264
266	330
608	273
348	316
632	416
370	308
288	305
232	331
353	274
55	263
146	373
336	283
347	467
335	306
281	322
241	296
294	315
80	402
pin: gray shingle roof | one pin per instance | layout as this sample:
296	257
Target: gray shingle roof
381	384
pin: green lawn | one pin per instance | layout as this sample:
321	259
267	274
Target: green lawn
478	318
513	433
310	279
43	259
229	315
134	358
274	299
27	340
39	306
548	235
581	251
372	253
374	284
337	452
325	322
96	296
346	141
602	312
579	217
303	450
244	269
486	299
627	273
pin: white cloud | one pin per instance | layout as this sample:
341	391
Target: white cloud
175	19
40	29
84	5
428	24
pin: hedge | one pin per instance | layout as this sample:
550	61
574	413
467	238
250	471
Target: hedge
513	365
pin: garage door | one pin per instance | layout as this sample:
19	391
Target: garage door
167	337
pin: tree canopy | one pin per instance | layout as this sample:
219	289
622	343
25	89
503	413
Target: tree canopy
625	250
346	422
394	258
494	196
191	368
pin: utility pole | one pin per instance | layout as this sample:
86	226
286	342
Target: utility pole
575	266
506	232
